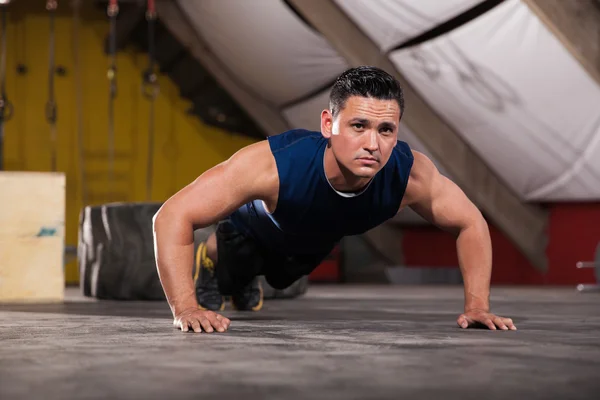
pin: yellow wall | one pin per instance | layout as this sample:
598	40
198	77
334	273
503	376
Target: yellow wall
184	148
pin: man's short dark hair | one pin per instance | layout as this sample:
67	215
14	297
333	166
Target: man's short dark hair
365	81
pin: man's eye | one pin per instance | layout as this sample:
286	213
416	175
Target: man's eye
358	126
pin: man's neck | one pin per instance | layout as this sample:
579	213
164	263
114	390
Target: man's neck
340	178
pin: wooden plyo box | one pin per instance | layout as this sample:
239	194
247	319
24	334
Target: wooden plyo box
32	237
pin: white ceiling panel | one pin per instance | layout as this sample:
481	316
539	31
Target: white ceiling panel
307	115
518	98
392	22
266	46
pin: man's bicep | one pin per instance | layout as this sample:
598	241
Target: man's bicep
437	199
447	207
222	189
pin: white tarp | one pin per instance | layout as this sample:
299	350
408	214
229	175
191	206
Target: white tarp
307	115
519	99
266	46
392	22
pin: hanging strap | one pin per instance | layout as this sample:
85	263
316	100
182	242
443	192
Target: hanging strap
6	108
51	6
150	87
150	91
76	46
112	11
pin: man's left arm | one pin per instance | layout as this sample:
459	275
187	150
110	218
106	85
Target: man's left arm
440	201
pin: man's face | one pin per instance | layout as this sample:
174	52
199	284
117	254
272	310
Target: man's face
363	134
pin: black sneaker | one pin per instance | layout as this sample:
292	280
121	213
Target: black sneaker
205	281
250	298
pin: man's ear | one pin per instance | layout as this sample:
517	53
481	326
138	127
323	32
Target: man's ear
326	123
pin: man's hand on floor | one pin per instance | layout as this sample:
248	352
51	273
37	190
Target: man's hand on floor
200	320
481	317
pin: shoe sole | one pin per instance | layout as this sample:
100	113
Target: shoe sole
197	264
200	307
257	307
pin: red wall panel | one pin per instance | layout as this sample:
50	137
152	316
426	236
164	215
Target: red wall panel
574	233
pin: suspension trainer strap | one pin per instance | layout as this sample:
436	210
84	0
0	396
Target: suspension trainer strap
51	6
150	91
150	87
6	109
76	46
112	11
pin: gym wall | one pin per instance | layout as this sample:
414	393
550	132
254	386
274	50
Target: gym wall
573	236
184	147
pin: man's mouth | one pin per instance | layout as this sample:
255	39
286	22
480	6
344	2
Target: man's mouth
368	160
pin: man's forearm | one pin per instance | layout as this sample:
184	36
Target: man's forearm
474	249
174	252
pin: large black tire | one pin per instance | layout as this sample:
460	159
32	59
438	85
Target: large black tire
116	252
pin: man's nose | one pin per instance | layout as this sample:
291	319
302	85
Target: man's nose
371	143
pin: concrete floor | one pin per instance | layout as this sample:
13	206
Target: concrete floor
337	342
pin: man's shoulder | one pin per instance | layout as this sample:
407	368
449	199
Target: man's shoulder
252	167
403	149
293	136
402	158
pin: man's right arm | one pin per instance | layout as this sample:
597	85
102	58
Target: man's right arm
249	174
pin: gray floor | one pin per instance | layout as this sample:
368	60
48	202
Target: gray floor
337	342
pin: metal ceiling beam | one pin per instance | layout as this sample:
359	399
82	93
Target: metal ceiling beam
266	116
576	24
524	224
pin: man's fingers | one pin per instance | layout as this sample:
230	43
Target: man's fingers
510	324
225	322
221	322
491	321
500	323
202	321
462	322
183	324
206	325
215	321
196	326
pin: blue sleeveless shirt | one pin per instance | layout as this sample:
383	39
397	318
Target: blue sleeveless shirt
310	216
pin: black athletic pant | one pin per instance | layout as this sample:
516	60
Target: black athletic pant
241	258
